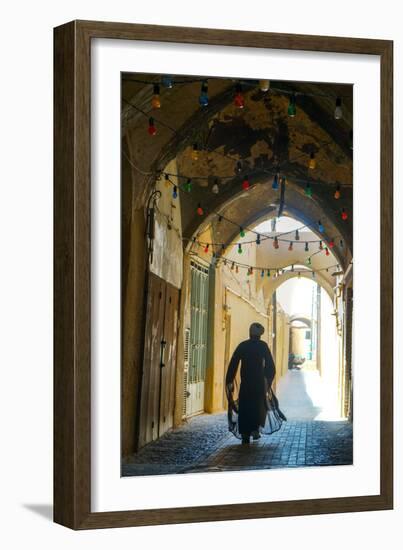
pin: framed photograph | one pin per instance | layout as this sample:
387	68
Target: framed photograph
223	275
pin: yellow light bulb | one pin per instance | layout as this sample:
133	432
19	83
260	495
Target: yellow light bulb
156	102
312	162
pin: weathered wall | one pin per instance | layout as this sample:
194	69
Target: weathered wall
168	247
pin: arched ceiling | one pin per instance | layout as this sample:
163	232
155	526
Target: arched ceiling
261	135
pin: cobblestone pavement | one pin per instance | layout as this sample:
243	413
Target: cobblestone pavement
180	448
204	445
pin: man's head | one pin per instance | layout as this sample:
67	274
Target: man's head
256	330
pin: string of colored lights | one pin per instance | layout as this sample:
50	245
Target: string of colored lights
308	260
239	171
266	270
219	258
206	246
265	85
259	236
221	217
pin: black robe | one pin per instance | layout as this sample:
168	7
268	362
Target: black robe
255	408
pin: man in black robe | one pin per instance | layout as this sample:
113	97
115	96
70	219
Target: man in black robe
256	402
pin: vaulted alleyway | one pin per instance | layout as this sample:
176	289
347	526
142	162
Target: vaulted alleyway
204	444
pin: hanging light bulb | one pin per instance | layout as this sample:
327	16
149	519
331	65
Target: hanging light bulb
320	245
206	248
215	189
308	261
292	106
297	235
200	210
275	243
262	273
188	185
299	275
241	232
232	266
238	167
264	85
292	268
290	247
237	268
251	271
308	190
245	183
331	243
274	185
341	243
337	193
167	182
167	81
239	100
327	251
313	274
175	192
344	214
312	161
320	226
195	152
152	130
306	247
338	113
258	240
220	218
239	248
248	271
268	273
156	101
203	97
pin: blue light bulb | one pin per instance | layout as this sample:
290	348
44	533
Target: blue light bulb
167	81
203	97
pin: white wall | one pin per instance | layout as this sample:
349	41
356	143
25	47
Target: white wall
26	280
295	296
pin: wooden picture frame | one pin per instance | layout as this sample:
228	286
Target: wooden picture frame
72	269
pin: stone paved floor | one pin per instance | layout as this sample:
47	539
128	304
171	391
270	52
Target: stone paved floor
204	444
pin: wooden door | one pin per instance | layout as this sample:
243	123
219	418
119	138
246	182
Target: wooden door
157	398
150	384
168	366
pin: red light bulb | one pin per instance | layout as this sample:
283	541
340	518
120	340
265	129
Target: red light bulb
245	183
290	247
206	248
152	130
200	210
239	100
331	243
344	214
